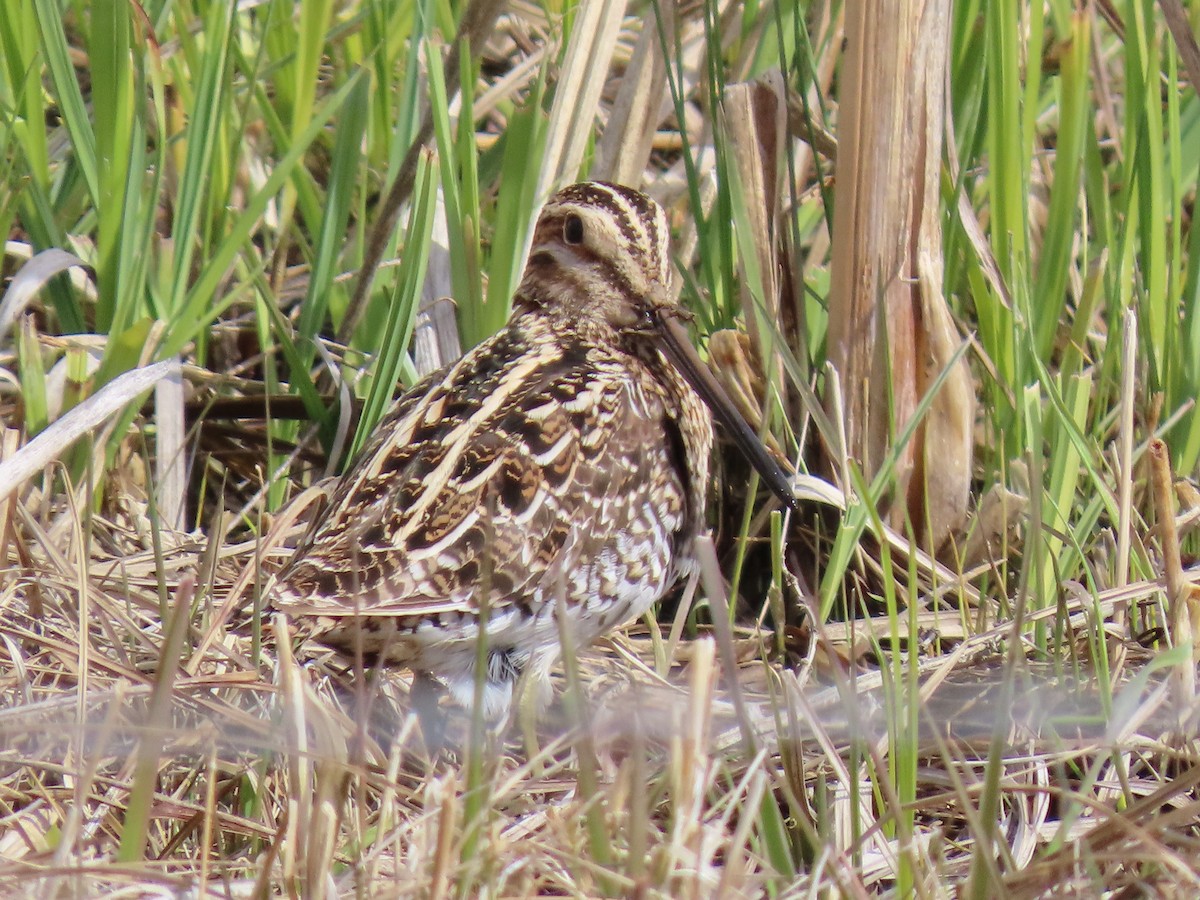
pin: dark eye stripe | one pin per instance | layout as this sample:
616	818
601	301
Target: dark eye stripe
640	219
626	215
636	207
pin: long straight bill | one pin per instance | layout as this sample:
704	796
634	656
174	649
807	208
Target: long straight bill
678	348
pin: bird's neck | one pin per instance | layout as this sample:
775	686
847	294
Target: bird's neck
552	321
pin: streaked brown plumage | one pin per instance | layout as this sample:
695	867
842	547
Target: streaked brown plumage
565	460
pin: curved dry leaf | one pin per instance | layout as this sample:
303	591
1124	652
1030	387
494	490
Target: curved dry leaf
31	278
89	414
817	490
948	432
997	528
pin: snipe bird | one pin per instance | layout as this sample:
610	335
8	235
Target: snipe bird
562	463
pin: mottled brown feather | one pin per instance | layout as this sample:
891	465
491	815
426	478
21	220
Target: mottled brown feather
562	460
379	553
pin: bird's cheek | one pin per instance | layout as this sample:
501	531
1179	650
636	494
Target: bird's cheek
630	319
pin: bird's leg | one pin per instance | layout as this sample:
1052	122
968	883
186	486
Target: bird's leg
501	678
426	695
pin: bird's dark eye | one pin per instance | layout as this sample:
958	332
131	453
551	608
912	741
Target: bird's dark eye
573	229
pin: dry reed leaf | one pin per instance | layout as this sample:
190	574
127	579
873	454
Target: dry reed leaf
577	91
1181	627
509	87
89	414
729	357
624	148
997	526
940	492
317	770
435	339
170	447
31	278
670	187
814	134
755	120
890	332
288	524
871	318
939	495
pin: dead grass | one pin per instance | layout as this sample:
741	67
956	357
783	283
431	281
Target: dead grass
295	776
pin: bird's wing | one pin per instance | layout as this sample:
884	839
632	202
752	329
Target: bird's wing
506	473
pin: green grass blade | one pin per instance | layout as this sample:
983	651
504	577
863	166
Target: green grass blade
196	311
202	135
66	89
403	310
338	201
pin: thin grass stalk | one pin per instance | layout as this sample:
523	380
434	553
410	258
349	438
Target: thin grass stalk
475	851
1055	259
474	28
74	111
1180	631
439	866
516	209
589	794
338	201
198	308
118	131
710	576
142	792
202	135
134	290
1145	169
857	514
403	309
1129	341
458	165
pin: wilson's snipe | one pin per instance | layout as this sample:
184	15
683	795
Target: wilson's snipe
563	461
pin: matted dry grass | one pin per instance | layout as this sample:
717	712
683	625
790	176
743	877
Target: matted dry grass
297	776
